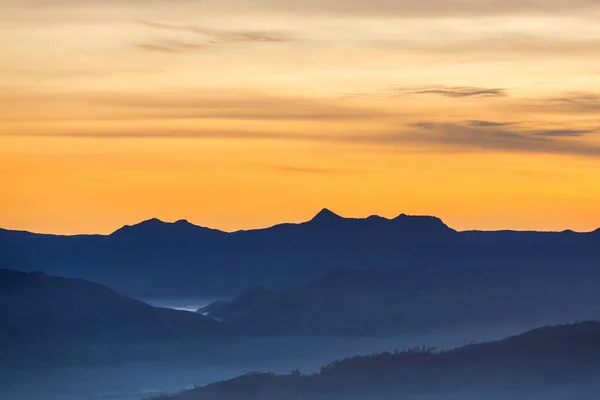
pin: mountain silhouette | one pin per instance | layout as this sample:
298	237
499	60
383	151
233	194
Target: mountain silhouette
37	309
326	216
184	259
539	364
390	302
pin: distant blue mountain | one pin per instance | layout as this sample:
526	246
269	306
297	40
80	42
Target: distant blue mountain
40	310
553	362
420	300
156	258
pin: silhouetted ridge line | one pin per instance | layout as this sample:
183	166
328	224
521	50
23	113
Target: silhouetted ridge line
410	300
155	225
326	215
180	258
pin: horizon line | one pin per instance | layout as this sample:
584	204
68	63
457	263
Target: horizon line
327	210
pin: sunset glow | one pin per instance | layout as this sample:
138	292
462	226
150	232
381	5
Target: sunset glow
240	114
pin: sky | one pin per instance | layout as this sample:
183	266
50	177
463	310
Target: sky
238	114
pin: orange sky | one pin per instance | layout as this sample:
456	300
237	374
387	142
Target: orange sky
236	114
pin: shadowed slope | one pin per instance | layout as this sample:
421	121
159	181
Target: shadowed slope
39	309
417	300
533	365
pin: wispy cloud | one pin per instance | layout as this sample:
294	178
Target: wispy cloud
377	126
171	46
433	8
466	136
452	137
252	106
562	133
574	102
488	124
435	90
449	91
379	8
218	36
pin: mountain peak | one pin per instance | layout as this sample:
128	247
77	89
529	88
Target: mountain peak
422	223
326	215
156	226
154	221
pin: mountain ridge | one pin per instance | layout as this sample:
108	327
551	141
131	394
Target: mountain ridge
186	259
375	302
323	213
36	308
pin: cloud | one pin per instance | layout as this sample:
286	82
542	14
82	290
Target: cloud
488	124
436	90
171	46
449	91
465	136
254	106
361	8
422	8
562	133
217	36
432	136
251	106
164	133
574	102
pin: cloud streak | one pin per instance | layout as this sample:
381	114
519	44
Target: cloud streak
171	46
374	126
254	106
379	8
438	8
574	102
454	137
449	91
456	92
488	124
490	138
218	36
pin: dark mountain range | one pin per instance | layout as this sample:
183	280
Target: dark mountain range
557	362
389	302
36	309
183	259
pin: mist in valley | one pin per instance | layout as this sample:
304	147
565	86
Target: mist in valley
140	371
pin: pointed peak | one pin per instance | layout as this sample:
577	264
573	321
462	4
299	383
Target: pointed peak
326	215
146	223
152	221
